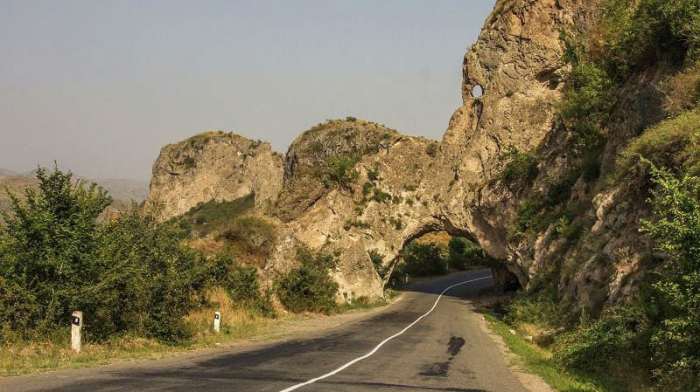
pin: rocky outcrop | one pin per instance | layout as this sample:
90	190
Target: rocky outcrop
320	155
401	187
214	166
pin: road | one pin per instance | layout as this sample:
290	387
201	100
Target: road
446	350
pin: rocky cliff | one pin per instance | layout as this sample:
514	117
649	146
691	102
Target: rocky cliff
214	166
351	186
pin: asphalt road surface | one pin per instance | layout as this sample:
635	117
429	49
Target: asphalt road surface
390	350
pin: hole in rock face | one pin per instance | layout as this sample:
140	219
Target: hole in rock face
477	91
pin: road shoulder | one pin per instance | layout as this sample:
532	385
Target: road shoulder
531	381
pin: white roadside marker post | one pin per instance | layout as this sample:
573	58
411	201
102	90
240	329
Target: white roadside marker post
217	322
76	322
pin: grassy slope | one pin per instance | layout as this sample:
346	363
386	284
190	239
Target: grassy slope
539	361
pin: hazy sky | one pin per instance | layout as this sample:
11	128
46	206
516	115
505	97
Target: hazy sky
101	86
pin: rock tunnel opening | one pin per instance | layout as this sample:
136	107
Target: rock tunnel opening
434	251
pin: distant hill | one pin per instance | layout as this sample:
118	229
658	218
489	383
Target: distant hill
125	189
122	191
6	173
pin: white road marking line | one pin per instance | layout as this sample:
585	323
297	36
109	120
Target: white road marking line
374	350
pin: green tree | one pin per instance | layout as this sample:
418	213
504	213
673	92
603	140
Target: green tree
463	253
129	275
146	280
676	230
47	250
424	260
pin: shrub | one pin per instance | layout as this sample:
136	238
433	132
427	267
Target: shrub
205	218
366	188
129	275
423	260
638	33
463	253
565	229
254	235
189	162
676	230
339	171
529	218
536	307
683	91
377	260
242	285
47	250
597	344
380	196
349	224
147	281
521	167
373	175
432	149
588	101
308	288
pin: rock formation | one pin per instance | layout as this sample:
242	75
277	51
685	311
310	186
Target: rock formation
401	187
214	166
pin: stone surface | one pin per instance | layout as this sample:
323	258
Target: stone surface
214	166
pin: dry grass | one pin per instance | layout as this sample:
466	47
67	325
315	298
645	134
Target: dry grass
237	327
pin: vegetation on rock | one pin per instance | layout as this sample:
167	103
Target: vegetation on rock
308	288
654	334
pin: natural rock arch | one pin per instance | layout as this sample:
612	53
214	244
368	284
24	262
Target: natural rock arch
416	184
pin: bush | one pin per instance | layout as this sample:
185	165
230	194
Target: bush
676	230
536	307
378	260
339	171
129	275
521	167
308	288
432	149
638	33
683	91
597	344
47	250
373	175
242	285
381	197
189	163
588	101
530	217
251	234
423	260
366	188
565	229
146	281
463	253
